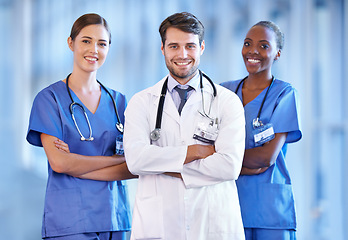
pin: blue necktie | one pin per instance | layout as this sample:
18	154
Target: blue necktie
183	96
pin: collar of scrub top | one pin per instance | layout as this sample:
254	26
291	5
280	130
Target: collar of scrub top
257	122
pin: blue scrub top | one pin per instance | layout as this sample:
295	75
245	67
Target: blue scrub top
74	205
267	199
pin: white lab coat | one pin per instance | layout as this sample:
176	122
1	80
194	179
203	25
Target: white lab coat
204	205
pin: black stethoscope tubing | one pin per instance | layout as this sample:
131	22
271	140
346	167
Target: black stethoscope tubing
119	125
264	98
155	134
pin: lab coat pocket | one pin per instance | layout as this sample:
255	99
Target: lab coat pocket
148	218
63	212
224	211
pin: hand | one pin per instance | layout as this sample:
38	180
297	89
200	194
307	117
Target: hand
249	171
198	151
62	145
205	150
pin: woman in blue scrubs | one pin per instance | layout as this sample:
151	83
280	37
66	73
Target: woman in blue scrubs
272	121
85	195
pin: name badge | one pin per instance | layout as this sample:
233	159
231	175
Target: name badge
119	145
263	134
207	131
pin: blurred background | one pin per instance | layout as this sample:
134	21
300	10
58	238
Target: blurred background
35	54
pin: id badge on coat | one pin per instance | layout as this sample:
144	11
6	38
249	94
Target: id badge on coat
119	145
207	130
263	134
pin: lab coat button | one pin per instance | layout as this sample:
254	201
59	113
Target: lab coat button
183	142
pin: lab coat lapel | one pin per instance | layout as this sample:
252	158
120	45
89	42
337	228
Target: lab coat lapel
196	96
169	106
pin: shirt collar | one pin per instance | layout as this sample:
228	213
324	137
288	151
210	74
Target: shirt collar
194	82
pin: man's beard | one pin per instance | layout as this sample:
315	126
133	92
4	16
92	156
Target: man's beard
184	75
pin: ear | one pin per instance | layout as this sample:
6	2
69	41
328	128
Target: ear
202	47
278	55
70	43
162	48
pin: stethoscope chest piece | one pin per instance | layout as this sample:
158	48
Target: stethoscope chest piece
155	134
257	123
119	127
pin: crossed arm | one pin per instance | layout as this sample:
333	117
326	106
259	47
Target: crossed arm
120	171
195	152
102	168
258	160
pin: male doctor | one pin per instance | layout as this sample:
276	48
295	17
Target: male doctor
187	167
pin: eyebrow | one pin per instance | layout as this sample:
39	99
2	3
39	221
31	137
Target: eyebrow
249	39
103	40
264	41
175	43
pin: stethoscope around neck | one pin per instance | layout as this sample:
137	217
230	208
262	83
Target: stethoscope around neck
257	122
73	104
156	133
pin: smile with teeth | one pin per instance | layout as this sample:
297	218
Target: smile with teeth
253	60
182	63
91	58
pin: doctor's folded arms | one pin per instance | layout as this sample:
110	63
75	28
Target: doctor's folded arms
184	137
79	123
